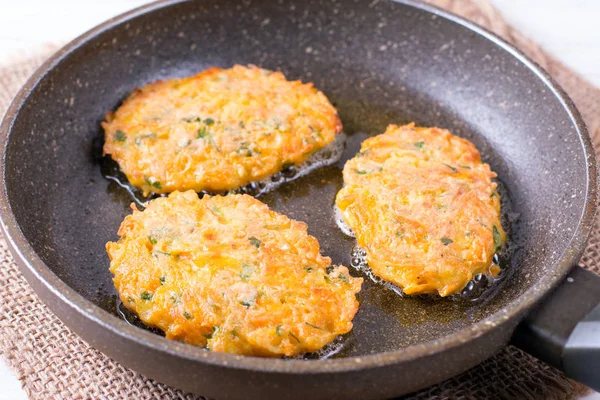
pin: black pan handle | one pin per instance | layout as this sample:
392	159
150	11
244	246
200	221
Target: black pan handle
564	330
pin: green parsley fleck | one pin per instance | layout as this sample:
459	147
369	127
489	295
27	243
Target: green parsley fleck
211	334
294	336
465	167
344	278
420	144
451	167
152	182
162	280
247	271
446	241
120	136
308	268
209	121
152	240
130	299
497	239
361	172
146	296
278	330
187	315
139	139
201	133
313	326
255	242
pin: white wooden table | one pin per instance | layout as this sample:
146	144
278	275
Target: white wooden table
566	28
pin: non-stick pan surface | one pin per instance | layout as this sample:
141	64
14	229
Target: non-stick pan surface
379	62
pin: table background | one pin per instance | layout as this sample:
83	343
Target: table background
565	28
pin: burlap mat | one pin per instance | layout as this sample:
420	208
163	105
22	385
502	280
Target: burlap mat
53	363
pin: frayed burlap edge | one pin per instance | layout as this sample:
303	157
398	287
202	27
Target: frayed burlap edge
52	362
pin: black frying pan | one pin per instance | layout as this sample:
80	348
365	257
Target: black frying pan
379	62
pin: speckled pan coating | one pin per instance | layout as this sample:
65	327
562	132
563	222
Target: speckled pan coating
379	62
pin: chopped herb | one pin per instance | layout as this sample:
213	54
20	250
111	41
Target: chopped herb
361	172
152	182
162	280
316	327
163	253
446	241
192	119
138	140
174	298
211	334
209	121
327	278
247	271
255	242
494	193
400	234
278	330
130	299
211	141
465	167
274	227
201	133
343	278
120	136
420	144
451	167
187	315
146	296
216	210
316	132
152	239
245	150
246	303
497	239
308	268
294	336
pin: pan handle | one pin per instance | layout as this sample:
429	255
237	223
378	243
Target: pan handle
564	330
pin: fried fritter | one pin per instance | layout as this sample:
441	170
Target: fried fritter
218	130
229	274
424	207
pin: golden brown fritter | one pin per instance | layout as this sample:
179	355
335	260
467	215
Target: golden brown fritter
227	273
218	130
424	207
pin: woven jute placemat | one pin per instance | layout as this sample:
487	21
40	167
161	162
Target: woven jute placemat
53	363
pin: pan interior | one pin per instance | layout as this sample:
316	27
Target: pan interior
379	63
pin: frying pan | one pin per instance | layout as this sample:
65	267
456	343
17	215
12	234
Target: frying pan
379	62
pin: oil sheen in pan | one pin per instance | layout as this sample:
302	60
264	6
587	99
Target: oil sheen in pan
416	319
328	155
482	286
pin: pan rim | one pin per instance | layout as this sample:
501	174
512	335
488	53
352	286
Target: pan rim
28	260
